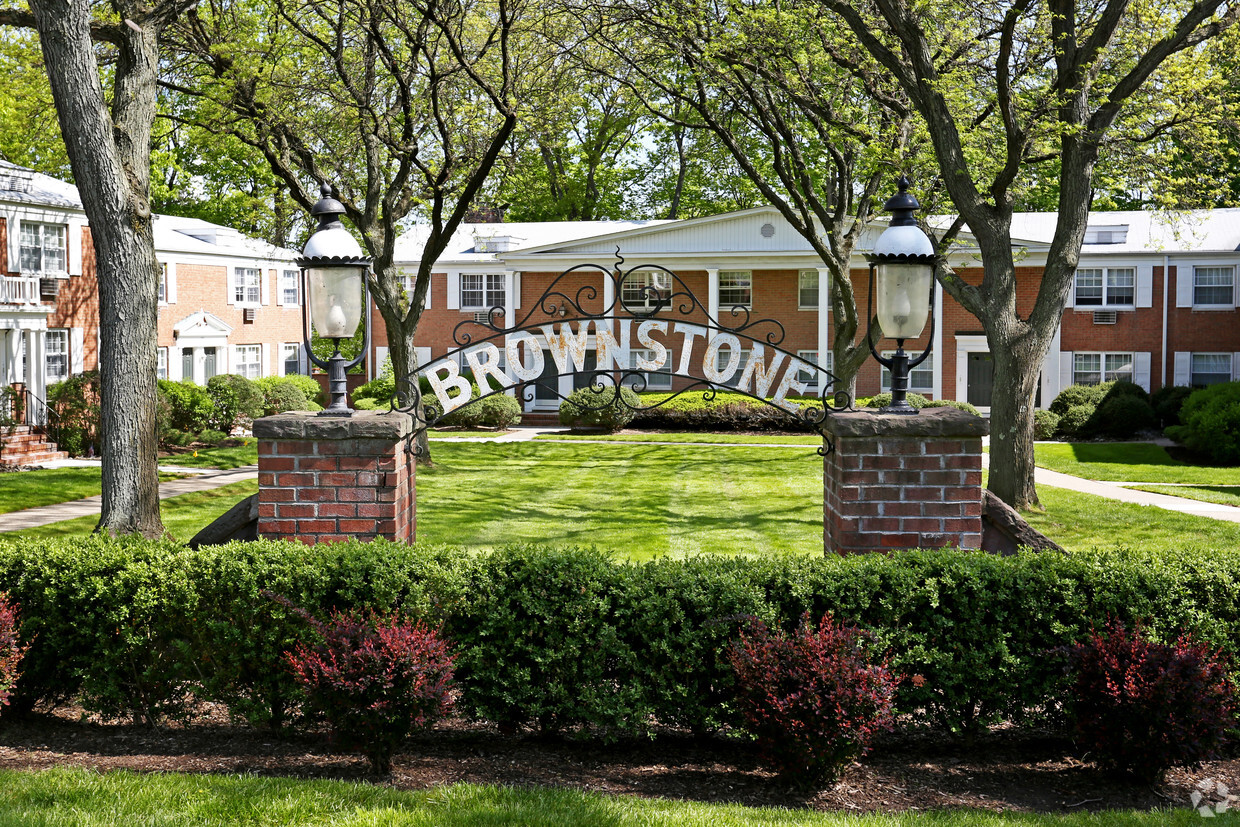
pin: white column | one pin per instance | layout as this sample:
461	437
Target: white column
712	293
510	316
824	327
37	380
199	367
936	342
10	356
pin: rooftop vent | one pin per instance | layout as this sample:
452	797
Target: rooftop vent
1108	234
16	180
494	243
212	234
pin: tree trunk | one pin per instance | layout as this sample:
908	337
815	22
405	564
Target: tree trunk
110	157
404	356
1016	366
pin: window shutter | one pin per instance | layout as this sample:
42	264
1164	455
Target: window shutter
1182	361
516	289
171	293
1072	293
1065	369
77	350
280	287
1145	285
1235	366
15	245
454	291
381	353
264	280
73	255
424	356
430	288
264	366
1141	369
1183	286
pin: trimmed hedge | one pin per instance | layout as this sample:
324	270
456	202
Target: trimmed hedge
1211	423
567	638
709	410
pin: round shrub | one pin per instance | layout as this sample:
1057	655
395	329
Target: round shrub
280	396
1167	402
234	399
593	407
211	437
1045	424
308	385
380	390
1144	707
498	411
813	700
1122	416
1077	395
882	400
952	403
1124	388
367	404
176	437
189	405
1211	422
1074	422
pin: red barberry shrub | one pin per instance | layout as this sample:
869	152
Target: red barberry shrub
813	700
375	679
1143	707
11	650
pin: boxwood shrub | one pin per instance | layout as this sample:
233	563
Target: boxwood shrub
572	640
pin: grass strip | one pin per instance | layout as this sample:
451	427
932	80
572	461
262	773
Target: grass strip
224	458
47	486
82	798
702	438
1217	494
1129	462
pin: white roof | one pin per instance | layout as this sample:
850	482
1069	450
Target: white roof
25	186
523	235
1198	231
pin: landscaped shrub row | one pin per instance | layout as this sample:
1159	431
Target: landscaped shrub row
561	638
713	411
1114	410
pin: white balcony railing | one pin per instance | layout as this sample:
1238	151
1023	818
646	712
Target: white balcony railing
19	290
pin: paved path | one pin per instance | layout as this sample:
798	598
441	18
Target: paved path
89	507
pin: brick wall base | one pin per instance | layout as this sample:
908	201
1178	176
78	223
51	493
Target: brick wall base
896	482
323	478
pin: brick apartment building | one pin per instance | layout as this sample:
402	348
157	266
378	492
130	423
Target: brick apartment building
1154	299
227	303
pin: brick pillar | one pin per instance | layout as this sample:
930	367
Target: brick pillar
897	481
327	478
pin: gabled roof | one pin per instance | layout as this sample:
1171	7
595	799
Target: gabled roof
201	323
1195	231
524	235
25	186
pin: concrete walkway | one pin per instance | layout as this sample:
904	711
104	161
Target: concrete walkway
89	507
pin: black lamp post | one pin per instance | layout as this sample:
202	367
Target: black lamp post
334	276
903	260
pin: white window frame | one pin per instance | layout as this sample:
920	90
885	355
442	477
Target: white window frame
740	281
241	366
1106	288
1230	272
50	350
491	288
810	377
285	347
294	288
34	241
721	360
163	283
656	380
244	281
161	363
1105	372
804	276
1225	358
916	375
633	299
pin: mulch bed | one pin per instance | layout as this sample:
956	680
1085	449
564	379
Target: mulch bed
1004	770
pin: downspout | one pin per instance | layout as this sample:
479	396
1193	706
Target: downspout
1166	294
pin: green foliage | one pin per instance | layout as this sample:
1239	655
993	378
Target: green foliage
714	411
12	650
1045	424
212	437
76	426
952	403
308	385
381	389
281	394
188	406
496	411
592	407
1074	421
1121	416
234	400
1211	423
1114	410
1074	395
1167	402
882	400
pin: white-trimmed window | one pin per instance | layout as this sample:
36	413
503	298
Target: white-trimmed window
163	283
1096	368
1106	287
721	362
290	287
1214	285
42	248
806	374
482	291
807	290
57	353
247	285
161	365
1209	369
248	361
656	380
735	289
290	358
641	291
920	378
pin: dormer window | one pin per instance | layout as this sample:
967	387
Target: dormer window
42	248
1107	234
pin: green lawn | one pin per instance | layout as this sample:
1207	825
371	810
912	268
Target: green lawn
48	486
1129	462
64	797
712	439
183	516
1220	494
233	456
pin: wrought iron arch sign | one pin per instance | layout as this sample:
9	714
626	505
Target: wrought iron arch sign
667	307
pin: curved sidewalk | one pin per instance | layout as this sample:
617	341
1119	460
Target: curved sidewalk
1118	491
35	517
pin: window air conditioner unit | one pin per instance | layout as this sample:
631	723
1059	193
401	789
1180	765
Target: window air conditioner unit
1104	317
250	313
483	317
